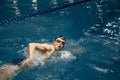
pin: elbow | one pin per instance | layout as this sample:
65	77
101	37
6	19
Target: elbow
31	44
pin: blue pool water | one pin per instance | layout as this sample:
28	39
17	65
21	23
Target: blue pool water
92	31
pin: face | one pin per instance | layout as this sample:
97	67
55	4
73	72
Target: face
59	44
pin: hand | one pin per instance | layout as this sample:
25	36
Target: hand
27	62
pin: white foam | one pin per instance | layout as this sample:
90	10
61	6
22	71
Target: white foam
109	24
61	56
38	59
24	51
67	55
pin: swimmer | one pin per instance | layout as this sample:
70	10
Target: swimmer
46	50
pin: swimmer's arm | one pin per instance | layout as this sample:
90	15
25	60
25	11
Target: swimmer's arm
30	58
41	47
31	49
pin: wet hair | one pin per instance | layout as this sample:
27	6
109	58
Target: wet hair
62	37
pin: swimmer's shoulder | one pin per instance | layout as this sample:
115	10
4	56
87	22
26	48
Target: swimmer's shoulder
47	46
40	44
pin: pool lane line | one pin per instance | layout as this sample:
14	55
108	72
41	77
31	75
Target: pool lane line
52	9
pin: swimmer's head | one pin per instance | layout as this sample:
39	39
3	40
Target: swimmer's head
59	43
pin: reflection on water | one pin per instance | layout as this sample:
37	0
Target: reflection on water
71	1
107	26
111	30
99	10
54	2
99	69
15	6
34	4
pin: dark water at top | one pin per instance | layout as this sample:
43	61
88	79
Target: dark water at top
92	31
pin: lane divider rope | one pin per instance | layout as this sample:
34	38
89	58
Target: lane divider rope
52	9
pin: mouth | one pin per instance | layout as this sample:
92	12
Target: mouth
59	47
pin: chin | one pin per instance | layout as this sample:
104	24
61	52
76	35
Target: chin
58	49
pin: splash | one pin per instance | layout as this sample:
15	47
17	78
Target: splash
61	56
38	57
66	55
39	60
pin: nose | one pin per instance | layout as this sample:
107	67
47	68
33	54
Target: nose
60	44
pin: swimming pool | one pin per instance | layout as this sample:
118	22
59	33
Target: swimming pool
91	29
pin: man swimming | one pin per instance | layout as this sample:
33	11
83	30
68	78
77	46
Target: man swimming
46	50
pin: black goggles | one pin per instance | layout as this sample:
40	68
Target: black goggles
58	41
